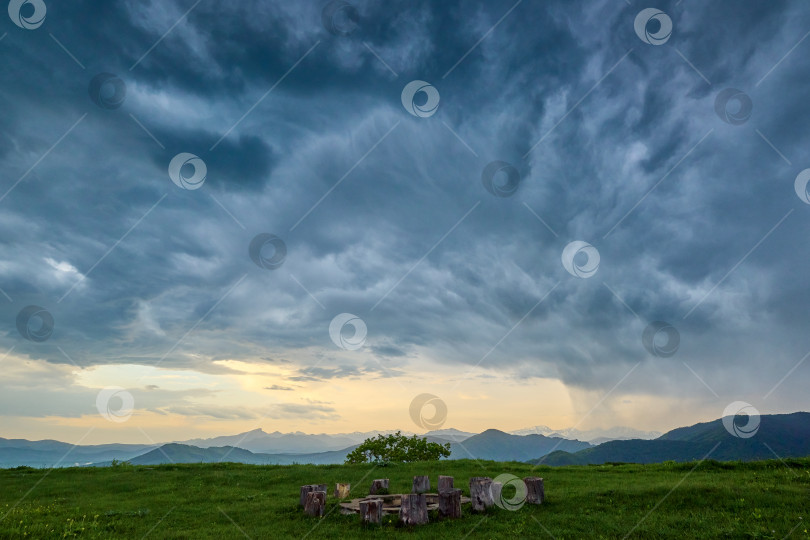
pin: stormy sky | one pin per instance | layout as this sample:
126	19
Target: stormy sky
304	215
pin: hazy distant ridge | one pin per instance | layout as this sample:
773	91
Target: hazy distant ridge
788	435
778	436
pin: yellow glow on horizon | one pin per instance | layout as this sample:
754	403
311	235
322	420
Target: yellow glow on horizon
178	404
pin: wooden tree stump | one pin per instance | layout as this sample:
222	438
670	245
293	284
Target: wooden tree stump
314	505
421	484
303	497
342	490
308	489
497	488
413	510
377	485
481	493
371	511
535	492
445	483
450	503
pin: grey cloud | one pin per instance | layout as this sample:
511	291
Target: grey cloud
220	413
308	411
311	374
167	288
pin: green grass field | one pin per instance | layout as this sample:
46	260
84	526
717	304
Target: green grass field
765	499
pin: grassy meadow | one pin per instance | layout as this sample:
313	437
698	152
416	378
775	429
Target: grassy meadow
766	499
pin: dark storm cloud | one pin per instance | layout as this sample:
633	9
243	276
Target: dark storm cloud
388	351
600	116
238	163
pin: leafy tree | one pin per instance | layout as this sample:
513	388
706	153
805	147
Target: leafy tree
397	448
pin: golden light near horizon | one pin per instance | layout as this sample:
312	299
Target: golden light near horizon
171	404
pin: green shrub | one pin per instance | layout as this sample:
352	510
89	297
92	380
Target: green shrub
384	449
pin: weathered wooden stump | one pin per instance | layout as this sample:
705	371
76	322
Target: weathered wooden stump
450	503
445	483
303	497
314	505
481	493
497	488
535	492
308	489
371	511
421	484
378	485
413	510
342	490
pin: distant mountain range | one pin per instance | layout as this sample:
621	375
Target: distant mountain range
593	436
259	447
15	452
778	436
499	446
183	453
783	435
490	445
258	441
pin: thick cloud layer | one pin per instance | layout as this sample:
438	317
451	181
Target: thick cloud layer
384	214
